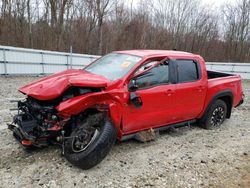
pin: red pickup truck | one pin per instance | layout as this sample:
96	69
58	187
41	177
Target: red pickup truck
119	96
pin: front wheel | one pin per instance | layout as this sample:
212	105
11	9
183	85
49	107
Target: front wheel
215	115
89	143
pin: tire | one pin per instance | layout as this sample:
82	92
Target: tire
96	151
215	115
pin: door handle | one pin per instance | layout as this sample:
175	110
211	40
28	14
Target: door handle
169	92
201	88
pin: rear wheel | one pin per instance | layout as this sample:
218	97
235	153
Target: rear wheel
215	115
90	142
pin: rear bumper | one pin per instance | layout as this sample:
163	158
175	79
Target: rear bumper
241	101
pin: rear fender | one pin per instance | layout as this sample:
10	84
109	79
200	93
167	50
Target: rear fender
226	94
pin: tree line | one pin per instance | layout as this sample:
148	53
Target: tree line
102	26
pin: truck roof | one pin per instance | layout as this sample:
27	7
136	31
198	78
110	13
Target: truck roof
144	53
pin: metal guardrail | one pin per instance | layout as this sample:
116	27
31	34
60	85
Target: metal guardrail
242	69
23	61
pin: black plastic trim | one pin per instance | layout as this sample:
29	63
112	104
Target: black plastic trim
224	93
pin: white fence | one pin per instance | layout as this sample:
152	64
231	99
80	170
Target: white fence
28	61
22	61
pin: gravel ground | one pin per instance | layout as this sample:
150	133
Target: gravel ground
188	157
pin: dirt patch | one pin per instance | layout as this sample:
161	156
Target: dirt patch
188	157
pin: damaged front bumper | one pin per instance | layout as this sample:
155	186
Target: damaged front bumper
23	130
36	124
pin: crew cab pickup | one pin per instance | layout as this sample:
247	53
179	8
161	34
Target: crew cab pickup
124	94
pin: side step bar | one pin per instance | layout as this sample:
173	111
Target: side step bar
150	134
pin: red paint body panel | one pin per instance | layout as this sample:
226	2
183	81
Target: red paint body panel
158	105
162	105
53	86
232	83
78	104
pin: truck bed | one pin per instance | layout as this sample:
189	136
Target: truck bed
219	81
214	74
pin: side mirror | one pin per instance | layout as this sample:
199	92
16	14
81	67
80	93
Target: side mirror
135	100
132	86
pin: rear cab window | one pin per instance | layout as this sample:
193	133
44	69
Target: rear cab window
187	71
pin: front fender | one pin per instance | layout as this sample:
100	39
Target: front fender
79	104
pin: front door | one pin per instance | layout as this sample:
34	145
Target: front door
157	95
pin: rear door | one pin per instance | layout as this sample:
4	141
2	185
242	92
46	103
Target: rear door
191	88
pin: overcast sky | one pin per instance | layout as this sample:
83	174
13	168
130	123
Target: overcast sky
217	3
213	3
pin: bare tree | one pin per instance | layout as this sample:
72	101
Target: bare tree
101	26
237	30
101	9
57	11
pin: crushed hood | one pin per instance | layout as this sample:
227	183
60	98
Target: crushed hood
53	86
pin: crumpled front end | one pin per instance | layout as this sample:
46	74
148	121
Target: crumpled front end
54	86
37	123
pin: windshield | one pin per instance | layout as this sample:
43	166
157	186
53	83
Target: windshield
113	66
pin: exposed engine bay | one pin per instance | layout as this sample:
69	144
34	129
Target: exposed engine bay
39	124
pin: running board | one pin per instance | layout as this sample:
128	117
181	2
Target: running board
150	134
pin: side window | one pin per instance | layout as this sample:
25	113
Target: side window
157	76
187	70
146	66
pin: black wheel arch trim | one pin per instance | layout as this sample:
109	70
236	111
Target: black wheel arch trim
219	95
